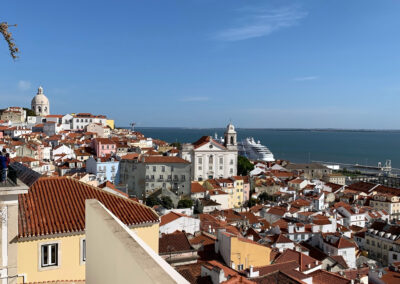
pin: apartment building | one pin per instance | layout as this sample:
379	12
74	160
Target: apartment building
388	202
148	174
382	242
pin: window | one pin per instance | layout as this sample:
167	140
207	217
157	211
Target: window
200	160
394	256
83	251
161	177
169	177
231	162
221	160
199	168
152	176
211	159
163	168
182	177
154	168
49	255
240	267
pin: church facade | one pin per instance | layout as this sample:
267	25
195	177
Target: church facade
40	103
211	158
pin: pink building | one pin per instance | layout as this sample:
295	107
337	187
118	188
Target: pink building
104	146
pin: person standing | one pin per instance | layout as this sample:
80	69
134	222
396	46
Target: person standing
3	168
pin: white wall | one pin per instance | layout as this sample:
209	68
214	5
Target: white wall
187	224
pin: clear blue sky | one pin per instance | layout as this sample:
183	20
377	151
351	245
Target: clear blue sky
200	63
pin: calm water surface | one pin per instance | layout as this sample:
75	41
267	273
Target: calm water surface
363	147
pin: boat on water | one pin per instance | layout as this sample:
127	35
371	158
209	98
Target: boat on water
253	150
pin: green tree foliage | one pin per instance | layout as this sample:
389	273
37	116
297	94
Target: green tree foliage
244	166
151	201
166	202
29	112
177	145
185	203
250	203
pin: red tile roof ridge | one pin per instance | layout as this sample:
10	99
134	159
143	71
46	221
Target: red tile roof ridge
42	226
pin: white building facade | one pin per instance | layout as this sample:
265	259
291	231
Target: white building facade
211	159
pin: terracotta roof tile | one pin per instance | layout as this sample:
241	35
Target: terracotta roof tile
57	205
175	242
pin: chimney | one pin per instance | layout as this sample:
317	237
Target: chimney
291	228
253	273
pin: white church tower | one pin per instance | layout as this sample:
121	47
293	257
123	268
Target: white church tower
40	103
230	139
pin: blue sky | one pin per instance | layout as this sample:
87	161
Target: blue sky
201	63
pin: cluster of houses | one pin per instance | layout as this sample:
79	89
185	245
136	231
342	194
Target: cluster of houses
283	223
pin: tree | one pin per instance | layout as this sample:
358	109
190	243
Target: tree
185	203
244	166
29	112
177	145
166	202
250	203
151	201
9	39
264	197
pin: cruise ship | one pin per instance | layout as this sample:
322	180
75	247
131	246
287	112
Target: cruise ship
254	150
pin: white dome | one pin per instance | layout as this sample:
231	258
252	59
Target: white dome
40	103
40	98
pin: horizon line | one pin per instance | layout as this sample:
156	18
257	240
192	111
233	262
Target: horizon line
266	128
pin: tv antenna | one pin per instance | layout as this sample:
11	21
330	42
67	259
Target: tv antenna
133	126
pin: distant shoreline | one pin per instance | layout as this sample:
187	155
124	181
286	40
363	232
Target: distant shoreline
273	129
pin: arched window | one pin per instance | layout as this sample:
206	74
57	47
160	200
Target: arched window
232	140
39	109
211	159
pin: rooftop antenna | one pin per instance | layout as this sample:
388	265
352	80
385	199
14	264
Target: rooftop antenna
133	126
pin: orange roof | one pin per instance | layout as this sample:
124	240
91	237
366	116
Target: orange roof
204	140
130	156
323	276
197	187
171	216
57	205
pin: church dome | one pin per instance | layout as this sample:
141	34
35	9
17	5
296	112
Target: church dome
40	98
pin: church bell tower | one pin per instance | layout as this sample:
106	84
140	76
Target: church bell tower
230	141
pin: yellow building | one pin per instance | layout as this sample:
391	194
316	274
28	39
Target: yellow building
51	236
241	253
231	186
110	123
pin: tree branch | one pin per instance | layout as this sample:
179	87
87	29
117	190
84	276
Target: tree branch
9	39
